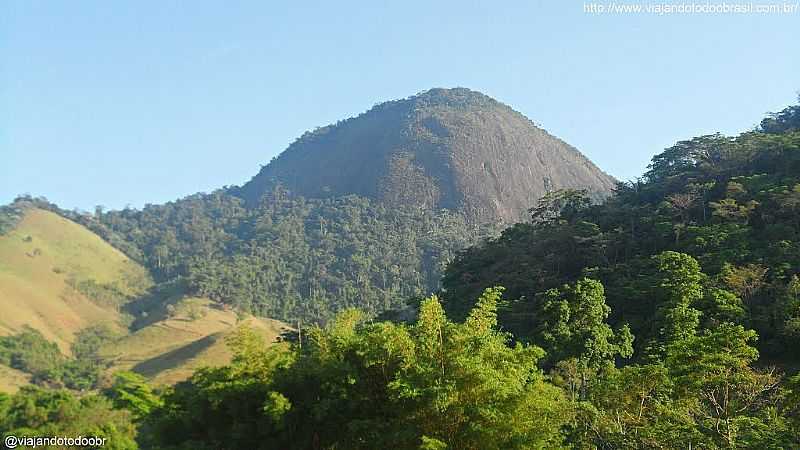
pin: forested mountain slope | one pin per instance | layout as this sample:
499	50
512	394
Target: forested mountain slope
293	258
733	203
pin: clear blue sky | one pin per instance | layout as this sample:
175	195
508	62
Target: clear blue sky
138	102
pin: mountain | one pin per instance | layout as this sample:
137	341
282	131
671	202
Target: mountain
365	213
666	317
444	148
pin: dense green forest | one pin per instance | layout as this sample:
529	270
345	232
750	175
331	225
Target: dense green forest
288	258
733	204
293	258
666	317
436	384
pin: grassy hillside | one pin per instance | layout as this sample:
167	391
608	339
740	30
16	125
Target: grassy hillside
189	336
12	379
59	277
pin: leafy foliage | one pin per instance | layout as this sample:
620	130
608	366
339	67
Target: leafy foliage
31	352
130	391
10	215
432	384
574	326
38	412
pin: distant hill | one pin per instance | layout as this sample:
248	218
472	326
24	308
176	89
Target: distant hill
177	343
58	277
444	148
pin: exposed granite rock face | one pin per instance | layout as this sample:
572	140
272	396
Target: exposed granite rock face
444	148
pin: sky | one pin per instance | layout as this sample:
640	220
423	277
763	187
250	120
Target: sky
128	103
